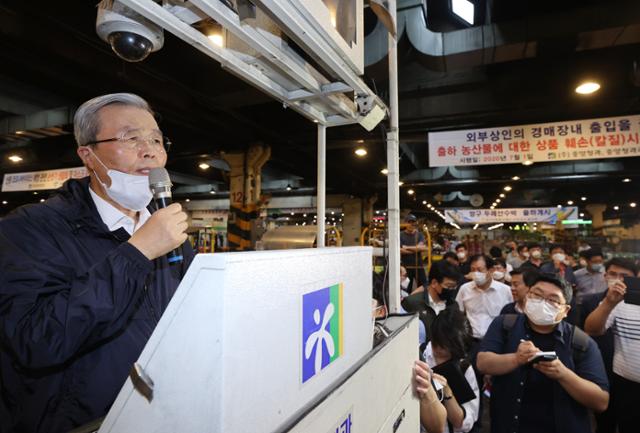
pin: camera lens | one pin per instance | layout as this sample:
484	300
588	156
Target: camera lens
130	46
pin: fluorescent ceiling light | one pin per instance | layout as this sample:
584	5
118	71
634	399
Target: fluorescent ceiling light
463	9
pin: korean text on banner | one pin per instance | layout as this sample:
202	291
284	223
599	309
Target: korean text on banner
612	137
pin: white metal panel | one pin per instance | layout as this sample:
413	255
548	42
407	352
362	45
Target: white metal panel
376	395
226	355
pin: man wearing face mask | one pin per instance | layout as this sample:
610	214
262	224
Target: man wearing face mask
84	276
439	294
534	262
483	298
520	283
558	265
552	395
463	259
591	279
618	322
513	258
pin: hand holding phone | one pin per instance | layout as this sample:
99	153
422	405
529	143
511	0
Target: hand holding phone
542	356
632	294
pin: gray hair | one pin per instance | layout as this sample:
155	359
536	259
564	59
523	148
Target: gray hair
86	122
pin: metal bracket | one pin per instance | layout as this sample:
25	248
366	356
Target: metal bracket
141	381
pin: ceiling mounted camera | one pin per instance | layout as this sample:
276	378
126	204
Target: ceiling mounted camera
131	36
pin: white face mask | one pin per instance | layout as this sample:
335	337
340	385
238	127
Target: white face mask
559	257
129	191
498	275
405	283
461	255
540	312
536	254
597	267
480	278
525	254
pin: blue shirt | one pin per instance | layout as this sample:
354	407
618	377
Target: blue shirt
508	390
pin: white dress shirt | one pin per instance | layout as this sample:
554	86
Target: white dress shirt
114	218
482	306
472	407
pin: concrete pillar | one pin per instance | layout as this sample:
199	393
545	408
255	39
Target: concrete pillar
244	194
596	210
351	221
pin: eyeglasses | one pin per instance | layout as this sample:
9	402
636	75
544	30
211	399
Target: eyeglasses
551	301
131	140
618	275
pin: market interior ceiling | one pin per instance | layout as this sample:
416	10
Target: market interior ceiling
52	60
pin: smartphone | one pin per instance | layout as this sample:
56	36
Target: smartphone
543	356
633	290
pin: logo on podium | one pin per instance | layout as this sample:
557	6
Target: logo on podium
322	339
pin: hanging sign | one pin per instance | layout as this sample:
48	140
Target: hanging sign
41	180
549	215
611	137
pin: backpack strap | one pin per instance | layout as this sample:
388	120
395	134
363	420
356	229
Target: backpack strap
508	322
579	343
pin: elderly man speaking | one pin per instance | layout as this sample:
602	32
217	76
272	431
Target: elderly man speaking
83	276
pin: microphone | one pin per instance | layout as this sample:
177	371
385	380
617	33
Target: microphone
160	186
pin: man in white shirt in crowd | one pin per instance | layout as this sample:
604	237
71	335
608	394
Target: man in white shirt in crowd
620	311
483	298
591	280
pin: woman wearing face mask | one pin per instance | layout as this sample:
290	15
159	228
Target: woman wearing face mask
450	340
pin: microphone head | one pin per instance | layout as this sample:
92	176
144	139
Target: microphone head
159	179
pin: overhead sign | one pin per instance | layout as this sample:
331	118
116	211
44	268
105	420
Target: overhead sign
611	137
41	180
549	215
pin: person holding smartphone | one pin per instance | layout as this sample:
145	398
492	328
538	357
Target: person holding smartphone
620	312
450	341
550	395
433	415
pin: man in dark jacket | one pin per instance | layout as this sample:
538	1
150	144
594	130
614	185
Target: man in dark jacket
84	276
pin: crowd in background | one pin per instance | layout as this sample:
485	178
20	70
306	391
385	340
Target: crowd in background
523	339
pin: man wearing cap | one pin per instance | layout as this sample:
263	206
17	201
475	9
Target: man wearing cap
411	249
84	276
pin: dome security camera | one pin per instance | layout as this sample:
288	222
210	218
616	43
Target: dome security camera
131	36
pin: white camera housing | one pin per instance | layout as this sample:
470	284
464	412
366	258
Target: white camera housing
131	36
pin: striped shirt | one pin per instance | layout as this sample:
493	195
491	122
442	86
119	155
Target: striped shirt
625	322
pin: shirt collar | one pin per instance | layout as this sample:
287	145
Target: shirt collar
114	219
558	331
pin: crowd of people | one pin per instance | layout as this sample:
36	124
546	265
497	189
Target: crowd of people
550	340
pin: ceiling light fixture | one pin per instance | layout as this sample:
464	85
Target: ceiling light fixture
361	151
502	196
204	166
570	202
384	171
288	188
212	192
583	198
424	202
626	180
5	202
587	88
411	192
464	10
632	204
400	183
498	200
507	188
527	162
515	178
616	207
217	39
15	158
